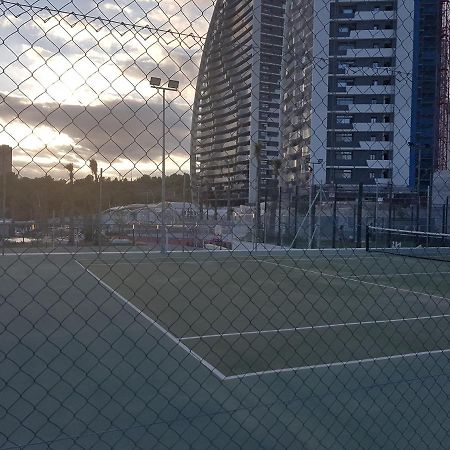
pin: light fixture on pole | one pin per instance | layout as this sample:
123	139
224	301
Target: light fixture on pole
172	85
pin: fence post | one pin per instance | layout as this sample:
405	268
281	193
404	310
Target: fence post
312	221
279	217
334	224
295	213
359	216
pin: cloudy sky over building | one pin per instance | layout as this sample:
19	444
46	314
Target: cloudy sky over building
74	83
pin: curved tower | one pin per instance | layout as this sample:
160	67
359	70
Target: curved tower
237	103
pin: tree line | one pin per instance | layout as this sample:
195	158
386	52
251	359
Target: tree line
42	198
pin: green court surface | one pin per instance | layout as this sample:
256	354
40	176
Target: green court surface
228	350
245	314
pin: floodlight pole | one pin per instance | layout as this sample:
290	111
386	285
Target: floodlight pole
163	177
3	237
163	159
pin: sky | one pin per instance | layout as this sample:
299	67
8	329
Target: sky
74	83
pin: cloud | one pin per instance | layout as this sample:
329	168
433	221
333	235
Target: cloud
74	89
119	134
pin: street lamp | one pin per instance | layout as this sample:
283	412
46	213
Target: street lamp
172	85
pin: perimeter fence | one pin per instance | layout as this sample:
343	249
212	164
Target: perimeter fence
224	224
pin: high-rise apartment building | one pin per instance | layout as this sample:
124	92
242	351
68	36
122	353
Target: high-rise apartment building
5	159
237	103
356	77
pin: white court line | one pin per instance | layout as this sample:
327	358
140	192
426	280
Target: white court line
399	274
316	327
135	263
384	286
229	259
50	253
165	332
337	364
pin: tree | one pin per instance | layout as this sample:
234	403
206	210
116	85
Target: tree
94	169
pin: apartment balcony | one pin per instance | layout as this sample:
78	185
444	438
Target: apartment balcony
375	145
371	34
379	163
370	90
368	71
372	127
382	181
369	53
369	108
373	15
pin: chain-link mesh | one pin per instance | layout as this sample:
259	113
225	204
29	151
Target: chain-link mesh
224	224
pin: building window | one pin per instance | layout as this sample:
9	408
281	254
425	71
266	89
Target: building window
345	47
344	120
341	83
344	137
344	65
344	101
346	156
344	174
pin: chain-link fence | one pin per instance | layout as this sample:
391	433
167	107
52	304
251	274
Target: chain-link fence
224	224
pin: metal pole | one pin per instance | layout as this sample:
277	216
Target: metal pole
311	220
319	231
265	215
428	209
375	218
418	190
279	217
333	238
295	212
184	209
289	212
99	220
359	216
163	177
446	215
3	238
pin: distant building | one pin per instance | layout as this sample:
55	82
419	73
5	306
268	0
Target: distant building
5	159
237	103
360	91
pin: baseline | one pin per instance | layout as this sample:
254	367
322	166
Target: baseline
337	364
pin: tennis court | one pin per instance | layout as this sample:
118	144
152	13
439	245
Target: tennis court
248	314
222	347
